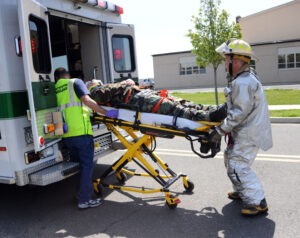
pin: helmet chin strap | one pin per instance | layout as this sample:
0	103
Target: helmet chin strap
230	70
230	65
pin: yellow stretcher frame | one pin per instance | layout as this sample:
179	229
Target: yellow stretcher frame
140	146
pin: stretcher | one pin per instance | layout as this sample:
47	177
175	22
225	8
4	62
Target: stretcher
152	125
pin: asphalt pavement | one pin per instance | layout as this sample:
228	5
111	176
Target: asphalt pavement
42	212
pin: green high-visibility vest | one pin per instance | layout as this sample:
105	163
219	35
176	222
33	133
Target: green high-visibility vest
75	113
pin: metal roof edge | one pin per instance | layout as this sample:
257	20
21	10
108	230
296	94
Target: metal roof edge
275	42
173	53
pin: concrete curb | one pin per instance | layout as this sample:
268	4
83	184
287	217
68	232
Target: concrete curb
285	119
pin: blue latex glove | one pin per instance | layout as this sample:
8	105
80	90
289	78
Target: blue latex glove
65	128
112	113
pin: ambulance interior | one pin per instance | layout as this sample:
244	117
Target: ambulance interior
76	47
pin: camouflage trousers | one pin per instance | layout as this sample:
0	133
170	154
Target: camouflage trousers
150	101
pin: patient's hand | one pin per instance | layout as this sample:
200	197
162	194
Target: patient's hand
128	82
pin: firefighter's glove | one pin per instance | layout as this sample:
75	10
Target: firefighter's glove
214	137
112	113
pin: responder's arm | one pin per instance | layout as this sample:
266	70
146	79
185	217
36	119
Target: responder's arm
242	102
92	104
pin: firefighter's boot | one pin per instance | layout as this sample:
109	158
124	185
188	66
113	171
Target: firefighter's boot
255	210
234	195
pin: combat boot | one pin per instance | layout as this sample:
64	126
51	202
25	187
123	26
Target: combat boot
234	195
218	114
255	210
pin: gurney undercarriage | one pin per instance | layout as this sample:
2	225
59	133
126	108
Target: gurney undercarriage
139	146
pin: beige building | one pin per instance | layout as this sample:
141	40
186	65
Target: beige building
274	35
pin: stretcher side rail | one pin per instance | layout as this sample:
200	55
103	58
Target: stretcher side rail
167	131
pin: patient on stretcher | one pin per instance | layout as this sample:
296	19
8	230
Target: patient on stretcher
126	92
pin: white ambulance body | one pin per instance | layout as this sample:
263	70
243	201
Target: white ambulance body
37	36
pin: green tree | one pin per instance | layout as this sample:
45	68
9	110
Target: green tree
211	30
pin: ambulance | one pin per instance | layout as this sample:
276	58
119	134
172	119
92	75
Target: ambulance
37	36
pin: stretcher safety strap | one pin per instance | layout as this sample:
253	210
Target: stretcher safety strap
128	95
155	108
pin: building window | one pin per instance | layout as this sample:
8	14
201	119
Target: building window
39	45
202	70
188	66
298	60
291	60
289	57
281	62
252	64
123	55
188	70
182	70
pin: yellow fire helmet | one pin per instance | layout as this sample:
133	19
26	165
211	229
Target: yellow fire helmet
237	47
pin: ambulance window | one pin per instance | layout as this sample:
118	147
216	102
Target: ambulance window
39	45
123	53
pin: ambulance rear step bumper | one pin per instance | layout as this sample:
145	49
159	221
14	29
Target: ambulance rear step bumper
54	173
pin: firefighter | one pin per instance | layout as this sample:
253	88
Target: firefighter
72	95
247	125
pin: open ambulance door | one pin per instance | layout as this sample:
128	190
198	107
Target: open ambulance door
34	32
122	52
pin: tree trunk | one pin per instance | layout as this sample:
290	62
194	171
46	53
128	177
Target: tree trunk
216	86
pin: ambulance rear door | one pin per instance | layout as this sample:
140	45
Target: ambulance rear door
36	53
122	52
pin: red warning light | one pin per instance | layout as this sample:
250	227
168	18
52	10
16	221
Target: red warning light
119	10
118	54
33	46
42	141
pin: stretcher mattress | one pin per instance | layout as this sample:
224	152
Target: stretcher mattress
154	119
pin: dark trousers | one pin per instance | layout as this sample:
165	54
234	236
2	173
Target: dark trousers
82	151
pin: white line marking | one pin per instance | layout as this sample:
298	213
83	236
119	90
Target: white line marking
221	157
220	153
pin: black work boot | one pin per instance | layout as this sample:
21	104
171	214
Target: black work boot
218	114
255	210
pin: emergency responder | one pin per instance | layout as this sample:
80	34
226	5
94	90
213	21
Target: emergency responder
147	100
71	94
247	125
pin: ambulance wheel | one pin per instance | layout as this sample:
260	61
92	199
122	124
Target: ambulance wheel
98	190
122	178
190	186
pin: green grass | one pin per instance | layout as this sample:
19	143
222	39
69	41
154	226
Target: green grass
285	113
274	97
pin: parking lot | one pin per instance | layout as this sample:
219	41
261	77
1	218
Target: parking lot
51	211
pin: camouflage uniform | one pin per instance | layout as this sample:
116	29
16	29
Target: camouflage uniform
147	100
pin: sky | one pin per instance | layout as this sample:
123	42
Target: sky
161	26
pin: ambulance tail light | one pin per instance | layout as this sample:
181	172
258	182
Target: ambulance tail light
3	149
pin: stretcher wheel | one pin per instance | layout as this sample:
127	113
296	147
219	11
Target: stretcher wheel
190	186
171	206
121	177
98	190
